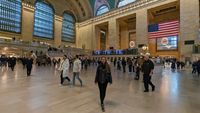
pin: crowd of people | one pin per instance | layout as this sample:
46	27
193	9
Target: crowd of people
133	66
196	67
8	61
173	63
11	62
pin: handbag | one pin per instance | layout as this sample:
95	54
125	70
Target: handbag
109	78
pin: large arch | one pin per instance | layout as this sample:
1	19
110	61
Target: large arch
102	9
44	20
99	4
68	27
72	5
11	23
122	3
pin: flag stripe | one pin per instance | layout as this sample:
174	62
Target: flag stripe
164	29
157	35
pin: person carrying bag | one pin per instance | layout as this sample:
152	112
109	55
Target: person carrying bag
103	77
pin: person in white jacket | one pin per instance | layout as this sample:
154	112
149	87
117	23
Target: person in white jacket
64	68
77	70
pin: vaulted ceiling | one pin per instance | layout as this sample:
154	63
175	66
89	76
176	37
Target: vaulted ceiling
80	8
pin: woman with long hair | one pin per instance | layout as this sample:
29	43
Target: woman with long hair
103	77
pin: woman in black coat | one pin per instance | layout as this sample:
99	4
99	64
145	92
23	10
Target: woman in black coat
103	77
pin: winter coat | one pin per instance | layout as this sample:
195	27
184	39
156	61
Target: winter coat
64	67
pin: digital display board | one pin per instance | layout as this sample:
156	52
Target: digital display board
167	43
120	52
130	51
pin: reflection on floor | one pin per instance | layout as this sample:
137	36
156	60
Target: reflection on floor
176	92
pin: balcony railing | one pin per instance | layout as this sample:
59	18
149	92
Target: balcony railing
24	44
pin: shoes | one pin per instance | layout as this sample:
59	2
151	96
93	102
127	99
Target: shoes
146	90
153	88
60	84
136	78
102	107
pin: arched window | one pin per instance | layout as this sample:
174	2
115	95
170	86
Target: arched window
10	15
102	9
68	27
44	20
124	2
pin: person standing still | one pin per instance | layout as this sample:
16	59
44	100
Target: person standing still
147	69
103	77
77	70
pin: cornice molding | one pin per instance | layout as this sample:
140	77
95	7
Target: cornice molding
28	7
58	18
122	10
32	9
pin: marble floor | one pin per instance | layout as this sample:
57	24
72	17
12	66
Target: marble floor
176	92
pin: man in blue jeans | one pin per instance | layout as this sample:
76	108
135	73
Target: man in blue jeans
77	70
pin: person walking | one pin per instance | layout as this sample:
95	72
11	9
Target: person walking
77	70
137	77
134	64
119	64
29	65
124	65
64	68
147	69
115	62
198	67
130	64
86	63
173	66
103	77
12	63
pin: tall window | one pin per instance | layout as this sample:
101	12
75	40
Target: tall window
102	9
10	15
44	20
124	2
68	28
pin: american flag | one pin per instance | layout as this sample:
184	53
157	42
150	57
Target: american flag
164	29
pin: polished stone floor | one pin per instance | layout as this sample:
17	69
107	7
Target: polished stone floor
176	92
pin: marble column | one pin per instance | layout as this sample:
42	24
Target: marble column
141	27
189	25
113	30
124	34
57	31
27	23
94	36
